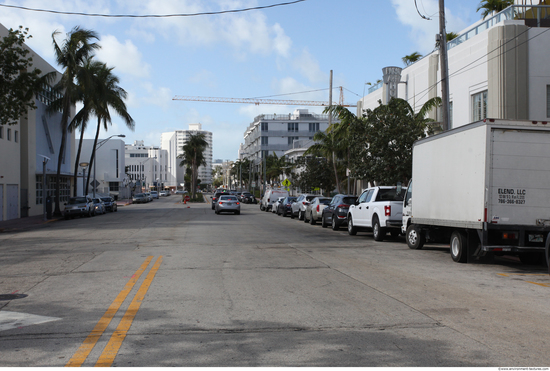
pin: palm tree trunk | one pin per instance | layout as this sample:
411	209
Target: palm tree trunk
77	162
64	122
93	154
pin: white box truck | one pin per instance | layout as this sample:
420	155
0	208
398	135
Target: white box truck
484	188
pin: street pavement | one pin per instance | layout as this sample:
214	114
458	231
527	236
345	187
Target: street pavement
172	284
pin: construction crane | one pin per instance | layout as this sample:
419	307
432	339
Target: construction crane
265	101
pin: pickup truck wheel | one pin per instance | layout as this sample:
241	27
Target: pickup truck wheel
352	231
459	247
323	222
415	238
311	220
377	231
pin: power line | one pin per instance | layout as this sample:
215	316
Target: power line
151	15
420	14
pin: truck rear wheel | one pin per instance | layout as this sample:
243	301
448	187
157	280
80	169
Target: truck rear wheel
352	231
378	232
415	238
459	247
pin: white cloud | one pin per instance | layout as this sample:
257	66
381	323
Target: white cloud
309	67
204	77
422	31
125	57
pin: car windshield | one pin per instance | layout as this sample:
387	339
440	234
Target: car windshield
228	198
77	200
325	201
106	199
390	195
96	200
139	195
309	198
291	199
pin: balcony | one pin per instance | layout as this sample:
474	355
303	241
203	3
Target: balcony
533	15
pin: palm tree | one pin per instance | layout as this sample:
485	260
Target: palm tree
490	6
193	156
411	58
86	86
106	93
329	147
70	55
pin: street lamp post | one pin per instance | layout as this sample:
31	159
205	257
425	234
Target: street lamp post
84	165
95	151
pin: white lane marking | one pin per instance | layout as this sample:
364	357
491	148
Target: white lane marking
11	320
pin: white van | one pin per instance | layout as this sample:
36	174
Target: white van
270	197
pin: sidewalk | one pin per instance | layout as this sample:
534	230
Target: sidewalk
38	220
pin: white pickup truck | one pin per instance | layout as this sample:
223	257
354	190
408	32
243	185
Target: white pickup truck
378	209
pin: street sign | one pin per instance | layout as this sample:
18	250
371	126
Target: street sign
95	183
253	184
286	182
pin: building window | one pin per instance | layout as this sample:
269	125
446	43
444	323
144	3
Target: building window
64	188
9	134
547	101
293	127
113	186
479	106
291	140
1	132
116	162
314	127
16	136
265	126
265	141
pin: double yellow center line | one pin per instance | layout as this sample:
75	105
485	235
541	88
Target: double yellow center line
111	349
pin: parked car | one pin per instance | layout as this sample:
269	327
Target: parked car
276	204
270	197
99	206
155	194
315	209
180	191
148	196
164	193
139	198
110	203
336	213
250	199
299	206
285	207
228	203
243	195
78	206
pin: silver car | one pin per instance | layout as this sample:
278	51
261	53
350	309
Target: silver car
228	203
314	210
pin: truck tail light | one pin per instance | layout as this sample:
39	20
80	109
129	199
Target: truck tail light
387	210
509	236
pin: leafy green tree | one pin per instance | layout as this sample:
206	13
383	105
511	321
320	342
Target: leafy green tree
315	173
19	82
490	6
411	58
70	55
193	156
330	146
106	93
382	143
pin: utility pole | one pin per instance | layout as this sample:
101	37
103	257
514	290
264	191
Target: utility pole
444	67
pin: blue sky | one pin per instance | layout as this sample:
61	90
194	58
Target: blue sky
281	50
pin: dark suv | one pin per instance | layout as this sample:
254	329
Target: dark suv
335	214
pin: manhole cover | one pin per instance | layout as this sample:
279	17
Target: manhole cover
12	296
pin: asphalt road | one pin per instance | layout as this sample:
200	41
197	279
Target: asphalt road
167	284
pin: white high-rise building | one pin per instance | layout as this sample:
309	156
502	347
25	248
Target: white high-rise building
173	142
146	166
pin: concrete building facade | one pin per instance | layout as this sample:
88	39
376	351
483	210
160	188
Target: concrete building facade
146	167
25	146
173	142
270	134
